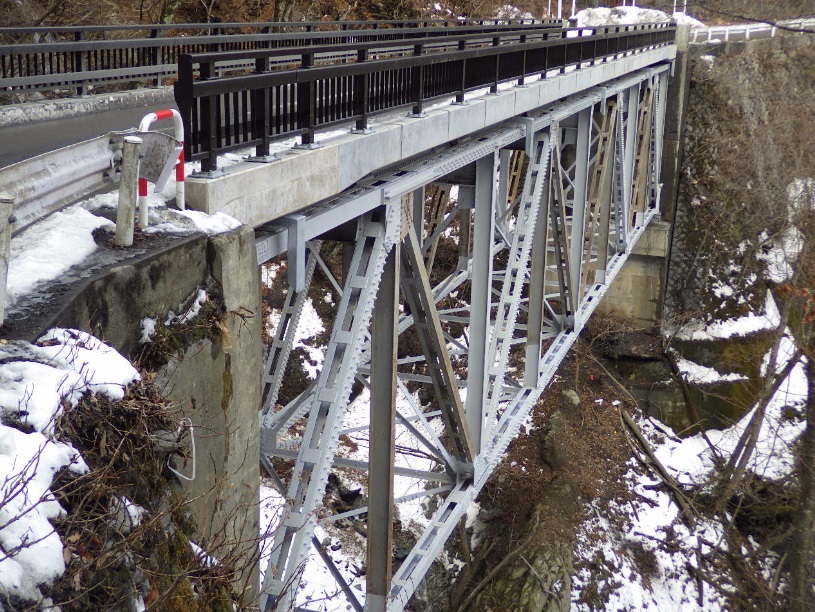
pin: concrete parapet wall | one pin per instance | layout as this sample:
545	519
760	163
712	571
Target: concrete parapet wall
113	302
259	193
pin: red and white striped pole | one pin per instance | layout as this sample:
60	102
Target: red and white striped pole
145	124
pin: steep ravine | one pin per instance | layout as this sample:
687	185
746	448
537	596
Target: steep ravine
749	122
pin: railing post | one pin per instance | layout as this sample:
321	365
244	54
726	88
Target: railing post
6	220
154	60
126	209
209	117
81	64
462	45
261	119
417	76
306	104
361	87
523	63
494	87
184	100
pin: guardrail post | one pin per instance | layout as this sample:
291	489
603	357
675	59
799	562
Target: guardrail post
361	87
417	76
81	65
6	219
126	210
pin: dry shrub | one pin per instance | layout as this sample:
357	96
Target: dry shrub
111	558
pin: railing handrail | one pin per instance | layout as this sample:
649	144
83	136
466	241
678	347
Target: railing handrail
227	56
89	45
706	34
340	25
81	62
209	100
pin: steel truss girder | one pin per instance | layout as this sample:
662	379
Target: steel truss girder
316	454
540	232
419	296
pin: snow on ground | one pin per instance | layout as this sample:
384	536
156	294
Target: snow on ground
703	375
48	249
626	15
654	523
691	460
733	328
35	380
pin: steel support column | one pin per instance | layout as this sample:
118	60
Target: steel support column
579	201
383	420
481	295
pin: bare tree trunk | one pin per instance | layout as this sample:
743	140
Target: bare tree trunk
802	554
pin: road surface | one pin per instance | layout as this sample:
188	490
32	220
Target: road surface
21	142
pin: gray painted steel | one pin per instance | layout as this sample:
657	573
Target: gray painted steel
567	238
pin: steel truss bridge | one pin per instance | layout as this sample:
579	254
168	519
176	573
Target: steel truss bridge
548	209
543	210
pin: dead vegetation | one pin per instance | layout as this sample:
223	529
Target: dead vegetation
127	533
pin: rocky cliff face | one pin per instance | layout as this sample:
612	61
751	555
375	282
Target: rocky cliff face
748	144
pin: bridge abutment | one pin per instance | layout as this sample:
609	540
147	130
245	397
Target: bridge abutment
215	380
636	294
217	383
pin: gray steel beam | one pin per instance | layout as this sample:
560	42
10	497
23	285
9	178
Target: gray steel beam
427	325
383	421
316	453
418	213
480	295
579	200
514	276
537	288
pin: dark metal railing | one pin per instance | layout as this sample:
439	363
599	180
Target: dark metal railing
232	112
50	58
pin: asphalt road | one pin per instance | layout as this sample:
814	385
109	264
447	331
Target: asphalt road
21	142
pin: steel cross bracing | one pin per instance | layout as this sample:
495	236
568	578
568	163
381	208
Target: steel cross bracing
590	187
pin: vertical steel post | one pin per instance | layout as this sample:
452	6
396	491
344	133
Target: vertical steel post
154	56
465	222
418	213
537	287
361	87
631	144
481	294
581	175
661	101
6	219
417	78
80	65
128	189
383	418
502	203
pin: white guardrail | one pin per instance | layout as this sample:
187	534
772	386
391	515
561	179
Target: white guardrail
750	31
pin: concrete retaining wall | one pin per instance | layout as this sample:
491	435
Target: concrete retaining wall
216	382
